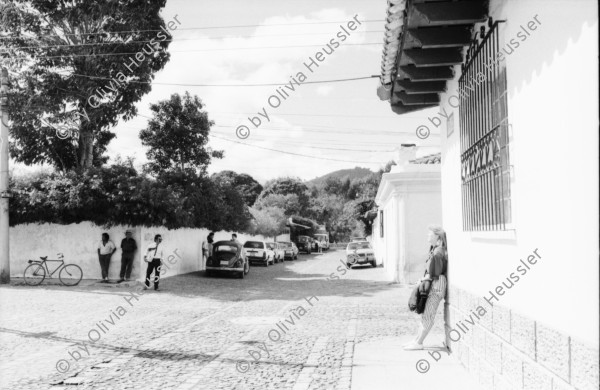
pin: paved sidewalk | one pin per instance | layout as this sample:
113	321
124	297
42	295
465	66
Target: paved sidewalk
383	365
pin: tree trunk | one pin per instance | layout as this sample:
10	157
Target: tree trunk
86	149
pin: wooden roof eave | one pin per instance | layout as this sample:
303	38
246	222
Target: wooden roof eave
431	43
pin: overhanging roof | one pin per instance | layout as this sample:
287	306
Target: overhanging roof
424	40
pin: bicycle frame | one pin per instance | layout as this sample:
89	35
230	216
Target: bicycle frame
43	263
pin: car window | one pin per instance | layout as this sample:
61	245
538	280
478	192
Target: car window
254	245
226	248
286	244
271	245
352	246
364	245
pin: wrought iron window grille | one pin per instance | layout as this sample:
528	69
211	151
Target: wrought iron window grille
484	133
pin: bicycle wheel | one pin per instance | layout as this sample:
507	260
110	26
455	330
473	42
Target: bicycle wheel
70	275
34	275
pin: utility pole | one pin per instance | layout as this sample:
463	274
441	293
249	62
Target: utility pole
4	193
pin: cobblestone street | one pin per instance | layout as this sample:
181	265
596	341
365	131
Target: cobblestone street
282	327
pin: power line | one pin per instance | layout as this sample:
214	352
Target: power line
210	28
307	143
293	154
232	85
184	39
326	131
331	148
194	51
331	115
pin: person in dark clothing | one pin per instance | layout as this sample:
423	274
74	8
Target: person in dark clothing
128	246
154	256
207	249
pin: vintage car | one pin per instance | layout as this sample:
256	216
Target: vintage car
290	250
305	244
360	252
259	252
277	250
227	257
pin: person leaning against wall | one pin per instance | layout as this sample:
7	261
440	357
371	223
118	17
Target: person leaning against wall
128	247
106	248
436	271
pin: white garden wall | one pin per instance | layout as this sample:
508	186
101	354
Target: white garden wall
78	243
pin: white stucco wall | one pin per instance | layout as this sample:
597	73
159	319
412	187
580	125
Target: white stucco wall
410	197
553	111
78	243
424	209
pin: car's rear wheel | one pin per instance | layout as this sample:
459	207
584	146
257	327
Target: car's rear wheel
209	273
373	264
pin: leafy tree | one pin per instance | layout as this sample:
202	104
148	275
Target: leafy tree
268	221
120	195
246	185
70	60
177	135
290	203
288	186
361	209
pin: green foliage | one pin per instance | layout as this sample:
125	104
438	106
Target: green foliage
53	49
246	185
177	135
340	199
361	208
268	221
290	203
288	186
120	195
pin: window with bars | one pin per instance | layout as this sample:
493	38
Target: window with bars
484	138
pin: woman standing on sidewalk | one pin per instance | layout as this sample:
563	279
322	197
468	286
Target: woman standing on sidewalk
437	270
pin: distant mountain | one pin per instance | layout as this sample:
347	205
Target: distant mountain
341	174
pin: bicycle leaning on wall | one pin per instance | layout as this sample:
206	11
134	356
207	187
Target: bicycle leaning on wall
68	274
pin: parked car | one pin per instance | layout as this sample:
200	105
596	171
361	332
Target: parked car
278	251
290	250
305	244
360	252
227	257
259	252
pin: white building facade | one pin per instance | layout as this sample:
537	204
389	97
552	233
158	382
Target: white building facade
408	200
517	110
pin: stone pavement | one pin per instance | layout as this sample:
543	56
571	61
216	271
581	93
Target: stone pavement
383	365
283	327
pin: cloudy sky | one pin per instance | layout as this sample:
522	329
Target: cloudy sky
318	124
